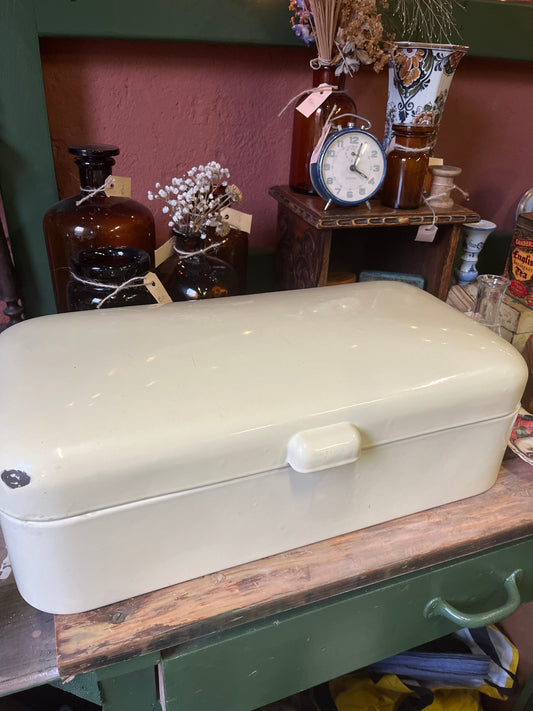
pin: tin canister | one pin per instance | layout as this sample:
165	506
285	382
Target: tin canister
519	267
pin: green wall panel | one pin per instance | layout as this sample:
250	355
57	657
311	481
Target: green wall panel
491	28
27	178
230	21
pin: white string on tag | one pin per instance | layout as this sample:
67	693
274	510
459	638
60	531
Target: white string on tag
188	255
132	283
406	149
319	62
322	137
314	90
429	198
94	191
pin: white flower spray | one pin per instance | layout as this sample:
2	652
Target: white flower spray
198	199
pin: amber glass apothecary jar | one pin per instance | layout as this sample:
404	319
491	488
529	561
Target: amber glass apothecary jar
307	131
98	221
407	165
190	273
234	251
108	277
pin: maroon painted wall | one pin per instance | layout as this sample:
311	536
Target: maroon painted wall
170	106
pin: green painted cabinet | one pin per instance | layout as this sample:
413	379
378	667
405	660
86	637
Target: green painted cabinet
253	665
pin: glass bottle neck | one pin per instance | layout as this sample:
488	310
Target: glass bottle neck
189	242
93	176
326	75
414	137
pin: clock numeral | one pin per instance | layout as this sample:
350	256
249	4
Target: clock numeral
349	194
372	181
340	143
327	166
331	153
354	139
329	181
374	154
362	190
375	168
338	190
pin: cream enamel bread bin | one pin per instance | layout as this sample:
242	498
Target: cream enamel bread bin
144	446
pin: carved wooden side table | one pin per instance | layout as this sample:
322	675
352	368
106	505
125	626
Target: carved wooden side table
313	242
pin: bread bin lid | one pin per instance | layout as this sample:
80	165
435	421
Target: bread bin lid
101	408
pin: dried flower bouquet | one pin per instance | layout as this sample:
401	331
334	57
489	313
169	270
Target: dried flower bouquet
197	200
347	33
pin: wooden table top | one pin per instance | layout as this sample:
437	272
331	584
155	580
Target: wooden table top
27	642
224	600
311	209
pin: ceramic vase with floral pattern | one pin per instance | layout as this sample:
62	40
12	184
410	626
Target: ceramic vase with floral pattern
419	80
475	236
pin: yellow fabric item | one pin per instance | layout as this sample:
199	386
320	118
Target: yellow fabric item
357	692
455	700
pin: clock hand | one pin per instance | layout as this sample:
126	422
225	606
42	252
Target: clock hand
357	157
353	166
354	169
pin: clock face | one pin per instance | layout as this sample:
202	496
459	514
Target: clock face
350	167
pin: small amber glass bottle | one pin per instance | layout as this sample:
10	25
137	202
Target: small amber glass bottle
307	131
407	165
196	275
98	221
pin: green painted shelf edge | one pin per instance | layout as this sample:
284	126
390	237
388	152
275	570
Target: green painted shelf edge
491	28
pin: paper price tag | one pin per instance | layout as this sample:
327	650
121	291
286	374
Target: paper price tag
320	142
426	233
238	220
158	291
120	187
164	252
313	101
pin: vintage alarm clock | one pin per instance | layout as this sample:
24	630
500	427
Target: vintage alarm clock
349	167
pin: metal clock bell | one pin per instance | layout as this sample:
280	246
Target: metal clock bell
349	167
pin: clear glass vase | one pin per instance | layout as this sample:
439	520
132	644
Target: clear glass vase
490	292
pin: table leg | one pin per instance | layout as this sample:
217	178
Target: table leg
302	254
8	291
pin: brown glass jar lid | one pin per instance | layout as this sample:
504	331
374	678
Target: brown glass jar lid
94	150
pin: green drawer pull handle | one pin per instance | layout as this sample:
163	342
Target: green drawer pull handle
438	606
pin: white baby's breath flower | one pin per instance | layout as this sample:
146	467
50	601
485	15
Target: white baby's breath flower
196	200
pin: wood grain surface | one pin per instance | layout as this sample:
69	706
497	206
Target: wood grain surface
311	209
27	642
282	582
